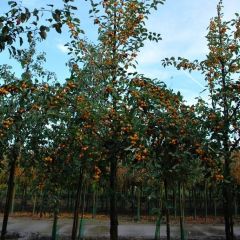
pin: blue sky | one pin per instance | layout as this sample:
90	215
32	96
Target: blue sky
182	25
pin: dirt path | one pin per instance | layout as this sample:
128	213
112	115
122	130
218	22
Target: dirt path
95	229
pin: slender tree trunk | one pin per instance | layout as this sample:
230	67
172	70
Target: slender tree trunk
13	197
158	226
138	204
227	204
180	193
195	204
235	206
94	205
16	154
215	207
77	206
9	198
175	202
167	210
81	224
205	201
34	204
24	198
159	217
54	228
132	201
113	198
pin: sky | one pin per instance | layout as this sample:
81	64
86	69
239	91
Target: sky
182	25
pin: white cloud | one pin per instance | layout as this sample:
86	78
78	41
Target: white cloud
150	54
62	48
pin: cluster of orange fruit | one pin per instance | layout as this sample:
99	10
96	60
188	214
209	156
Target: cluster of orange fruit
71	85
218	177
134	94
72	28
134	138
142	104
80	99
97	173
139	82
4	90
199	151
174	141
7	122
127	129
48	159
108	89
141	154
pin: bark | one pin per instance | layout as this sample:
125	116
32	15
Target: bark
205	201
54	228
138	204
174	202
113	198
16	154
94	207
228	215
167	211
81	224
34	203
77	207
180	193
9	198
195	204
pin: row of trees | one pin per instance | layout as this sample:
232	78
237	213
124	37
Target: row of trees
105	117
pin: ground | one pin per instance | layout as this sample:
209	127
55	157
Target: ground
40	228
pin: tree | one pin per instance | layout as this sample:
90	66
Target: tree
19	99
221	69
121	33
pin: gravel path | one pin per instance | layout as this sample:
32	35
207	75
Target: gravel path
95	229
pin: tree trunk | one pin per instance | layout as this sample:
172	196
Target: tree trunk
180	193
194	204
158	226
34	204
13	197
205	201
174	202
138	204
54	228
81	224
77	206
132	201
235	206
9	198
159	217
167	210
16	154
113	197
94	205
215	207
228	216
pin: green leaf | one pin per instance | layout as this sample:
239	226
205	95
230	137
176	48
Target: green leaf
5	30
29	36
56	15
43	34
12	3
58	27
21	41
